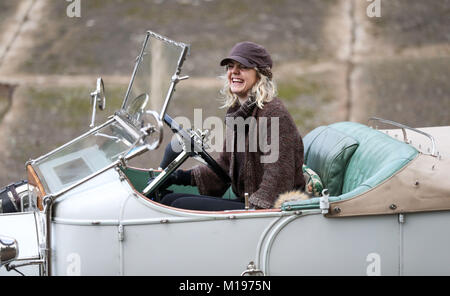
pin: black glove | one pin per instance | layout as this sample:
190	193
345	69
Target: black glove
179	177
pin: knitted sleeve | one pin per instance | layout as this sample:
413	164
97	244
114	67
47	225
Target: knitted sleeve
207	182
279	169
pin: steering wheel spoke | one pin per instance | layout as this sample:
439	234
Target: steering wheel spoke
197	148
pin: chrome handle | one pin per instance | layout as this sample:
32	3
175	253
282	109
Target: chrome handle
252	270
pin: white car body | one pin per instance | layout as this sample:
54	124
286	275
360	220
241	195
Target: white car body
100	224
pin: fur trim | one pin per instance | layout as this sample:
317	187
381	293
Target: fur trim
290	196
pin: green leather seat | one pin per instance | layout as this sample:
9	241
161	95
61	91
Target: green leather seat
376	158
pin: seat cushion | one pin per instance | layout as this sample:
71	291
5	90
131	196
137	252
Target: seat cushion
378	157
327	152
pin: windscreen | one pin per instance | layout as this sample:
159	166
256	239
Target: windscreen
159	61
150	88
84	156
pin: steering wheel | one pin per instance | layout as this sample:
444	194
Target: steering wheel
136	107
197	149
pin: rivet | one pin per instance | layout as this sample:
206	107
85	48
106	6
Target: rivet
337	210
392	206
232	217
416	183
164	221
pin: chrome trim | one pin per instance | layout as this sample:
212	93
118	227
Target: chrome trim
175	79
159	129
403	127
262	239
167	171
268	236
271	239
165	39
136	67
129	129
10	267
146	131
184	219
9	250
46	268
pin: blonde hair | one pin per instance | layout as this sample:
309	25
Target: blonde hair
264	91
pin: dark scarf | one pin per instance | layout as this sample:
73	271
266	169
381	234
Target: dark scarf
239	160
244	110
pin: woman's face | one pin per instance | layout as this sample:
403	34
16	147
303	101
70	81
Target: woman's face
241	79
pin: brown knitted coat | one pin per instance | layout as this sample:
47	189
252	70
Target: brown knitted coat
263	180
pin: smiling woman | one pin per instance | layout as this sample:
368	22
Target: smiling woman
241	79
250	96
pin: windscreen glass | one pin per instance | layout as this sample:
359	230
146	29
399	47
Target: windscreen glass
84	156
159	62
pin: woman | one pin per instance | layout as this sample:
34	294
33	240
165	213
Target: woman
250	95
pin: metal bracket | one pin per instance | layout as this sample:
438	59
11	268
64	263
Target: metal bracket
403	127
324	203
252	270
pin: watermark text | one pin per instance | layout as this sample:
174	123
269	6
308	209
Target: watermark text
74	8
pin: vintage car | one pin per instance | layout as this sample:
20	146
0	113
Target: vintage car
384	208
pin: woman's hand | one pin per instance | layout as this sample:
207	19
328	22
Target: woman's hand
179	177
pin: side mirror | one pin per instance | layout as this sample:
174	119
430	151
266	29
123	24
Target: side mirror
98	99
9	250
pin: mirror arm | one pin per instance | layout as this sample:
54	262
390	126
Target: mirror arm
97	99
94	96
